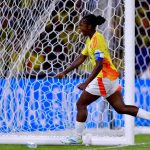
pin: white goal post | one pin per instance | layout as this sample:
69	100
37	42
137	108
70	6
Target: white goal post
39	39
129	66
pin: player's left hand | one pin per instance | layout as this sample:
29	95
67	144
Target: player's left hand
82	86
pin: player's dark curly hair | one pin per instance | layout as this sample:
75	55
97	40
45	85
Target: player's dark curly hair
93	20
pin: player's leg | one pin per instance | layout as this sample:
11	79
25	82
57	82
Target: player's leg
116	101
82	112
84	100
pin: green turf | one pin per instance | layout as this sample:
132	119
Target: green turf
140	141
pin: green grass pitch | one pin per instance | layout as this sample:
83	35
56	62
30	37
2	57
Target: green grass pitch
142	143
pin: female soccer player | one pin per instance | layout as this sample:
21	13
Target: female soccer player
103	80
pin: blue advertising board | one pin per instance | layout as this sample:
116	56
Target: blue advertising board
50	104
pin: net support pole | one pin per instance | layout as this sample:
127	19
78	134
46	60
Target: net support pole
129	66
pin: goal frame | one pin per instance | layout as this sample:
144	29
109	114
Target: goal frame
128	139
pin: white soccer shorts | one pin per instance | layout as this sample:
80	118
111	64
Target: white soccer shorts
103	87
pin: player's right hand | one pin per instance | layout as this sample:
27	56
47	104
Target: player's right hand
60	75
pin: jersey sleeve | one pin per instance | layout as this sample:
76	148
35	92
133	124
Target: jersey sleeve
99	47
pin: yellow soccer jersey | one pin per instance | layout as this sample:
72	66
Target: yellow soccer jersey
96	48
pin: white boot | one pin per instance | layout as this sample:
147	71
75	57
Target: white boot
143	114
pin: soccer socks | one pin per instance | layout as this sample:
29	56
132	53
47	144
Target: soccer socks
143	114
79	128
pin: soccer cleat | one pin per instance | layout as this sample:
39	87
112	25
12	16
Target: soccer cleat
72	140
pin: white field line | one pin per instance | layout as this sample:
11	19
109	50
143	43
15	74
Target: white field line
114	147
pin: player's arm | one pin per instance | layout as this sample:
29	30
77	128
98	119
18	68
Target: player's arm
75	64
98	67
96	70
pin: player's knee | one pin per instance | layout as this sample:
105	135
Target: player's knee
81	106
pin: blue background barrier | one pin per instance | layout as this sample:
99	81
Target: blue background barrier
50	104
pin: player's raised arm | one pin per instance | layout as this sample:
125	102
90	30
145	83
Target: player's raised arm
75	64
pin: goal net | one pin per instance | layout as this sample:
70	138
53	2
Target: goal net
38	39
142	63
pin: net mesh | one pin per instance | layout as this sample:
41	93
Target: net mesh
142	60
38	40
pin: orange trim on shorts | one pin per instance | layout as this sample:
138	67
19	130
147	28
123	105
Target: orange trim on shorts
119	89
101	87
